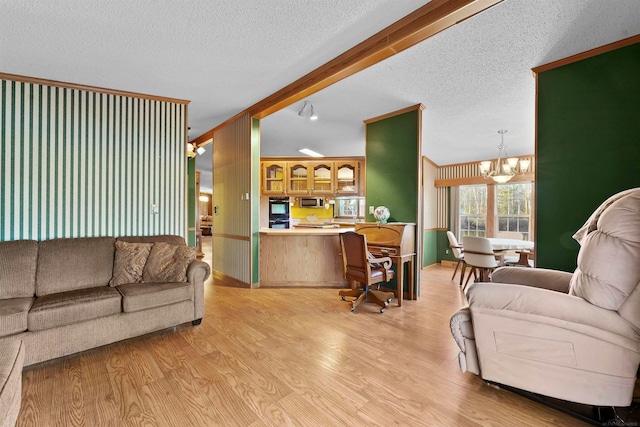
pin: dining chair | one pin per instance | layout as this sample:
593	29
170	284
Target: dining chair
510	257
362	267
480	256
457	251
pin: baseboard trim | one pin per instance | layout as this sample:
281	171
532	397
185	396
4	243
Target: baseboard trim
224	280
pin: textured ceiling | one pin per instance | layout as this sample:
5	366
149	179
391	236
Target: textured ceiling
222	55
225	56
474	79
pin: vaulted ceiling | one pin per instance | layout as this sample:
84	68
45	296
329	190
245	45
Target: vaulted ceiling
224	56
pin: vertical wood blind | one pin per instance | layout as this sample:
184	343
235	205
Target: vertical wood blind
76	163
232	154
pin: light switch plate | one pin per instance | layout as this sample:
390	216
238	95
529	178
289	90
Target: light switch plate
371	209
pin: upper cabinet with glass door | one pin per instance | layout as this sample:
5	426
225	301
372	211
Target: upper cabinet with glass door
298	178
347	174
274	178
337	177
321	177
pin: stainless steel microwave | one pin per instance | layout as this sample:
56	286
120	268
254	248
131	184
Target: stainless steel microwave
312	202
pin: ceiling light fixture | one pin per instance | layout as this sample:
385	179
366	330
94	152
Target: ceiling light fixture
310	152
193	149
307	111
505	167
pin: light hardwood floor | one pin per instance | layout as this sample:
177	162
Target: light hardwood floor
275	357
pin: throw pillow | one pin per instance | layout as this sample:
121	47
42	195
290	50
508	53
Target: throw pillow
129	262
168	263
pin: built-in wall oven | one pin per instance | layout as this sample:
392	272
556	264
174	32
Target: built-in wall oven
279	212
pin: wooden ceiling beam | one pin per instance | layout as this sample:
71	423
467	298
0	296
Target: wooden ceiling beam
428	20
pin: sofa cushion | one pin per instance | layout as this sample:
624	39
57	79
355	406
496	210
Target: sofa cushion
129	262
70	264
141	296
18	268
13	315
168	263
11	363
171	239
65	308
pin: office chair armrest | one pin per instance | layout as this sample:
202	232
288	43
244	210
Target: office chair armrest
384	261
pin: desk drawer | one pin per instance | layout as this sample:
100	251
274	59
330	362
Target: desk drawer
383	250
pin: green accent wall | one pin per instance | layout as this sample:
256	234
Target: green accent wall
588	146
393	168
76	163
255	200
443	247
429	247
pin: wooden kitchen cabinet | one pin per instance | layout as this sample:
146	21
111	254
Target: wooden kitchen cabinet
327	177
322	181
298	178
274	178
346	177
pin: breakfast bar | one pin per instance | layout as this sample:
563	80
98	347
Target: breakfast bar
301	257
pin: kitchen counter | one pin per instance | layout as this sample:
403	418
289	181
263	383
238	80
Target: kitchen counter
301	257
301	231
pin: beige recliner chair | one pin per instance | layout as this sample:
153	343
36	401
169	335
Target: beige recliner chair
575	336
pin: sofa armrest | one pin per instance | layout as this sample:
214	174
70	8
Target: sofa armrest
554	309
554	280
197	272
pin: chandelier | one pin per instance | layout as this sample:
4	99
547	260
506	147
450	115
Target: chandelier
505	167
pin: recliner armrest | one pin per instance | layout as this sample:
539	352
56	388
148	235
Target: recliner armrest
554	280
554	309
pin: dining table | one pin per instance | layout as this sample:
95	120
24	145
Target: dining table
524	247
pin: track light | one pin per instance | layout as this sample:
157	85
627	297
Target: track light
307	111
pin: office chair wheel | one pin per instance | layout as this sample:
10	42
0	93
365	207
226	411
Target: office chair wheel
353	309
343	298
388	300
382	310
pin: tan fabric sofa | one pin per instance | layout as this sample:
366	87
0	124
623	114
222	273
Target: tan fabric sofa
11	362
575	336
55	296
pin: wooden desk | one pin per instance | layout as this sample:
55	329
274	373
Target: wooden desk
397	241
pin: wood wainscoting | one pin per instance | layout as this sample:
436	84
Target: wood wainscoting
303	259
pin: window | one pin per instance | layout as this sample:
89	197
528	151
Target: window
473	210
513	209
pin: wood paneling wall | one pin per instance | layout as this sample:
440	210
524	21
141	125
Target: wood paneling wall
79	163
467	174
232	182
430	212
